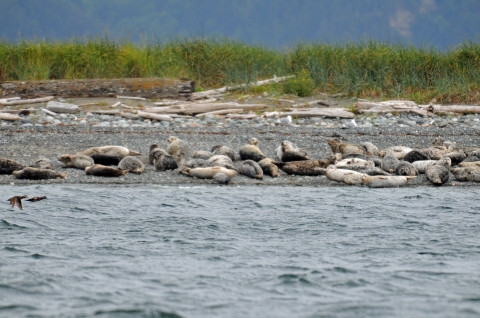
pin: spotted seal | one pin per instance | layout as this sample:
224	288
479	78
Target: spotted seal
370	148
251	151
354	162
287	152
307	167
345	148
42	163
104	171
398	151
385	181
178	149
76	161
115	151
38	174
269	168
131	164
219	174
439	172
250	169
224	150
343	175
405	168
8	166
389	162
163	161
466	174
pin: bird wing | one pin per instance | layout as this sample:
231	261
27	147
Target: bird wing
18	202
12	201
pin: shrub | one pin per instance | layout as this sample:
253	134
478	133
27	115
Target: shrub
302	85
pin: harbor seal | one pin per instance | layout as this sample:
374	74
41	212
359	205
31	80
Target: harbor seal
354	162
470	164
398	151
152	151
307	167
131	164
343	175
389	162
38	174
104	171
269	168
220	161
202	154
435	152
370	148
224	151
76	161
456	156
219	174
466	174
386	181
163	161
251	151
42	163
377	160
195	163
178	149
422	165
250	169
405	168
415	155
287	152
8	166
344	148
439	172
116	151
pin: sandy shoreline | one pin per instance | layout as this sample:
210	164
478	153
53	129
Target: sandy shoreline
26	144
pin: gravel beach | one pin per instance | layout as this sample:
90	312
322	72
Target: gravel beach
26	142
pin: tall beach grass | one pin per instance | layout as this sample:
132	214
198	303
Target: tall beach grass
365	69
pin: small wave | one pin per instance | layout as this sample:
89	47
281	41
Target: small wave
14	307
14	249
147	313
10	224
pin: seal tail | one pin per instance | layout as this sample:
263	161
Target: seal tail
134	153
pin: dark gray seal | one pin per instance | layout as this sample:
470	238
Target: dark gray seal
439	172
8	166
415	155
104	171
37	174
131	164
405	168
250	169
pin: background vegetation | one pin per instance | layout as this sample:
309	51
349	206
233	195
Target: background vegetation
364	69
273	23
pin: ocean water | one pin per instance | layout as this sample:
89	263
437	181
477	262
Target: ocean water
152	251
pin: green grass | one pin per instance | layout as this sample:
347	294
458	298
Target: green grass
368	69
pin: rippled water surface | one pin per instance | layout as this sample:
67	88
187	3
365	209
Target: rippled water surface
150	251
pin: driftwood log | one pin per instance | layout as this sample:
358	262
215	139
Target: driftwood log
154	116
220	112
197	108
398	106
135	87
9	102
316	112
459	109
12	117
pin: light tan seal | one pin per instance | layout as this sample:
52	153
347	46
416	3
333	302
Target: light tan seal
269	168
422	165
131	164
8	166
76	161
466	174
104	171
398	151
251	151
354	162
38	174
343	175
218	174
42	163
178	149
386	181
115	151
345	148
370	148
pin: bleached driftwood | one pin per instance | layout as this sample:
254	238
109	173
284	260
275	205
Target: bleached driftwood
46	111
194	108
315	112
128	115
220	112
398	106
12	117
16	101
116	104
168	103
154	116
9	99
206	94
238	116
62	107
459	109
312	103
130	97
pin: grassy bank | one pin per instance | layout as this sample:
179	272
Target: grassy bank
366	69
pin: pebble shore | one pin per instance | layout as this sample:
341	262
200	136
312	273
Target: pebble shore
40	134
